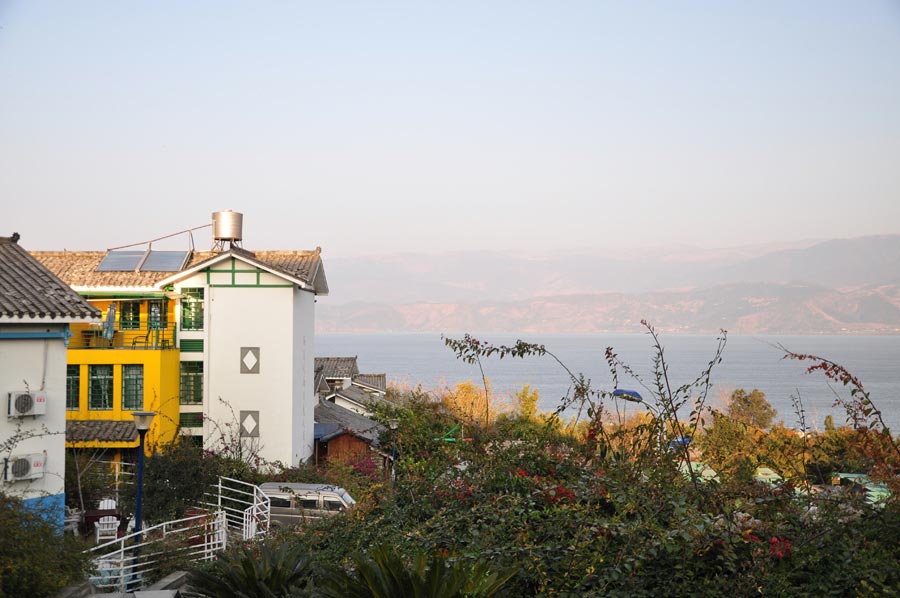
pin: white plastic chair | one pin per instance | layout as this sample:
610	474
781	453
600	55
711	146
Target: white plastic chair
107	528
107	504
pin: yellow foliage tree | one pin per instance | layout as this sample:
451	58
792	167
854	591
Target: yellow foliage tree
527	400
469	402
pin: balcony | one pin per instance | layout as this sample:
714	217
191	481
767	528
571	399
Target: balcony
91	336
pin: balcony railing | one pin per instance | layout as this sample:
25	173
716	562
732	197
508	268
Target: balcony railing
94	336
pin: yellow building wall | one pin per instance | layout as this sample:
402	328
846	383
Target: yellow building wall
161	386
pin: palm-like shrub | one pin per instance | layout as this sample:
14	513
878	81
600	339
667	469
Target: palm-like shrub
264	572
383	574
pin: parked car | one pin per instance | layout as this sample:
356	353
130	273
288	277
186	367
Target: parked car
293	503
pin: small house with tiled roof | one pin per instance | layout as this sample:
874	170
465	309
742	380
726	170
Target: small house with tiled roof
233	331
346	386
345	436
37	314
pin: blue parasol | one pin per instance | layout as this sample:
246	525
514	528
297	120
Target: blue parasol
109	325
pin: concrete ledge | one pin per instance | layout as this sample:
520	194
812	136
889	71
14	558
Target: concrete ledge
172	581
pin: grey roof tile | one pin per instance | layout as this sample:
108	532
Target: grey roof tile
349	421
378	381
79	430
30	290
337	367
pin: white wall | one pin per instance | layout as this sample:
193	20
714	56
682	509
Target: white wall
278	319
23	365
304	377
253	317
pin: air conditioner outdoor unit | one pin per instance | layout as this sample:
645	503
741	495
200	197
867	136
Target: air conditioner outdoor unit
26	402
24	467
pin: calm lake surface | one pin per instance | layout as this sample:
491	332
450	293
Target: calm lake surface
748	362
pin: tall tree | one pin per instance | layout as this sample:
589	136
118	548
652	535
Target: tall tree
751	408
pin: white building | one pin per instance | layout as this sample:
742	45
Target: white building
242	326
36	309
248	320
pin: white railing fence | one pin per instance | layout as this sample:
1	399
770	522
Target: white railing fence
245	506
129	562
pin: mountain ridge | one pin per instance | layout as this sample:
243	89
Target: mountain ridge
839	286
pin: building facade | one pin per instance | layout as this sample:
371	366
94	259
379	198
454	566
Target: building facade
219	343
37	314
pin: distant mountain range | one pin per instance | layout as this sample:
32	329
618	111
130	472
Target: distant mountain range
844	286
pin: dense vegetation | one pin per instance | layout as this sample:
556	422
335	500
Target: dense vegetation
616	506
651	492
35	559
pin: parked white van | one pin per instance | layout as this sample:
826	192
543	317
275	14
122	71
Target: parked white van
294	503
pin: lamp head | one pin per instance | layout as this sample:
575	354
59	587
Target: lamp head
393	423
143	419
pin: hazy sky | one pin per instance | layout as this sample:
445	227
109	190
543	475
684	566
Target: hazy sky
381	127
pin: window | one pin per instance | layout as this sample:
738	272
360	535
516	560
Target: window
133	387
190	420
193	440
333	505
308	502
73	386
280	503
192	309
130	315
100	388
157	314
191	383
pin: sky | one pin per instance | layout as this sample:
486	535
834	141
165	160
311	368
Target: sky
384	127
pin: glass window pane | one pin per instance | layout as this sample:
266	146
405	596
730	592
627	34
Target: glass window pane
157	316
191	392
192	309
133	387
73	386
100	389
130	315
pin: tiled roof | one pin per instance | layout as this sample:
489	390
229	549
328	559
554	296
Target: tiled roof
378	381
348	421
29	290
78	268
78	430
358	395
337	367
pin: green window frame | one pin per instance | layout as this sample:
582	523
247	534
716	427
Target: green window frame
130	315
190	420
133	387
191	391
73	386
100	387
158	314
192	308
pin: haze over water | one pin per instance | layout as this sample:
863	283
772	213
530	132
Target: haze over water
748	362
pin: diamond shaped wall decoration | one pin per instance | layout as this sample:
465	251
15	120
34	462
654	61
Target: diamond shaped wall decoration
249	360
249	424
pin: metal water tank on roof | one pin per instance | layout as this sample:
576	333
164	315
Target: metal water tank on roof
227	225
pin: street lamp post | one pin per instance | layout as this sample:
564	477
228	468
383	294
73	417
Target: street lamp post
393	424
142	421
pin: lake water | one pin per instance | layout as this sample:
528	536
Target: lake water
748	362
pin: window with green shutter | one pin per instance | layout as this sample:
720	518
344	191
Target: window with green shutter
73	386
192	309
191	392
130	315
190	420
100	387
133	387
